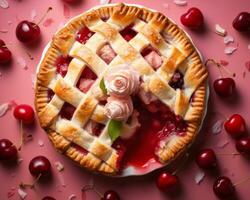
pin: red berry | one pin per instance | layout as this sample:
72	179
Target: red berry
39	165
224	87
83	35
206	159
5	53
223	187
7	150
166	181
48	198
242	22
243	145
25	113
27	32
235	126
110	195
193	18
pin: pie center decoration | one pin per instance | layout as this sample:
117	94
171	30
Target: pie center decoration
121	86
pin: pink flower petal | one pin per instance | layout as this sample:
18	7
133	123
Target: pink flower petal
230	50
66	11
227	39
40	143
48	22
33	80
247	64
72	197
4	31
180	2
199	176
22	193
222	143
61	179
22	63
4	4
33	15
217	127
102	2
224	62
59	166
4	108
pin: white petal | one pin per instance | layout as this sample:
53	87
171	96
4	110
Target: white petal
102	2
22	63
230	50
33	15
62	180
33	80
228	39
40	143
199	176
4	108
180	2
217	127
4	4
219	30
72	197
59	166
22	193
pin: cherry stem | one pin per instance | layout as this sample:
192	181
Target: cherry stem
42	18
228	154
182	165
242	181
21	137
91	187
31	186
219	67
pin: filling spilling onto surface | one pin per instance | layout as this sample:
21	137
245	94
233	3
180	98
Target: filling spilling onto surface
155	121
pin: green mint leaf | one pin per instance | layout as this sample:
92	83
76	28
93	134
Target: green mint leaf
103	87
114	129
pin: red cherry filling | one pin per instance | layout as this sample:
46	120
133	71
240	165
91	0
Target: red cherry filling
83	35
94	128
157	123
50	95
80	149
152	56
177	80
62	64
128	33
106	53
86	80
67	111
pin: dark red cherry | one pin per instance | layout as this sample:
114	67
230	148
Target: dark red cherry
224	87
243	145
25	113
193	18
110	195
48	198
62	64
128	33
39	165
223	187
83	35
206	159
8	151
242	22
166	181
235	126
27	32
5	53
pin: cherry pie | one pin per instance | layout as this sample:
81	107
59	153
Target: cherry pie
156	115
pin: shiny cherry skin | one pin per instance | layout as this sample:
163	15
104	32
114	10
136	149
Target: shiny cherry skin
8	151
223	187
243	145
27	32
224	87
5	53
242	22
39	165
166	181
206	159
25	113
48	198
235	126
110	195
193	18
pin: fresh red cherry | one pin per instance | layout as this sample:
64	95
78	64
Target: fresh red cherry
5	53
25	113
110	195
223	187
224	87
27	32
193	18
243	145
206	159
235	126
242	22
166	181
48	198
39	165
7	150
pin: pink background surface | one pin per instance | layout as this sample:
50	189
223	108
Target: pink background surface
15	84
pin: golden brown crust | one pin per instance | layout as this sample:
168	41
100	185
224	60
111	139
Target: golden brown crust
163	29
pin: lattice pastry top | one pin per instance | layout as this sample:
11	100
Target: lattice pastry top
71	98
